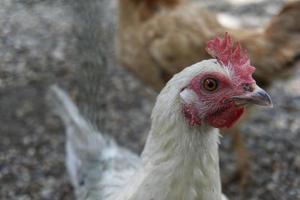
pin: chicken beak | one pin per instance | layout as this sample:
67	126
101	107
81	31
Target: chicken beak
258	97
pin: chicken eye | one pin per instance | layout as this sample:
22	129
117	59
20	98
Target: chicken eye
210	84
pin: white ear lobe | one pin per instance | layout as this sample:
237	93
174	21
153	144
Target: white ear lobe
188	96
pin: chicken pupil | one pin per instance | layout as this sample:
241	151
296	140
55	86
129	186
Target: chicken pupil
210	84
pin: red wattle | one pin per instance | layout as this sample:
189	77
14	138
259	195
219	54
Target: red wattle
225	119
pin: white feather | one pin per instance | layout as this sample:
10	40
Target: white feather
188	96
179	162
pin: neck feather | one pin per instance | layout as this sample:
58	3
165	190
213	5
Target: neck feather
182	160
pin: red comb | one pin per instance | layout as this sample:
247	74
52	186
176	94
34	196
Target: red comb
237	58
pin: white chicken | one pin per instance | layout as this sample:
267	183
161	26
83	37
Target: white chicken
180	160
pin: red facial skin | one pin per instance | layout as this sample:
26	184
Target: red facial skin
216	107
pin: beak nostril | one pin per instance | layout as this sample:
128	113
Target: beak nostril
248	87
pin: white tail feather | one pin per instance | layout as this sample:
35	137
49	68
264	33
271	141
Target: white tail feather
97	166
83	142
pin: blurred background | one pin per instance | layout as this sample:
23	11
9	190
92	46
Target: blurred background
41	43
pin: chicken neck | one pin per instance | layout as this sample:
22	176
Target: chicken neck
181	160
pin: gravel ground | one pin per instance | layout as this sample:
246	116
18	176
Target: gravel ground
37	45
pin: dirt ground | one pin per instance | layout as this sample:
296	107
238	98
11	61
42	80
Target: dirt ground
37	47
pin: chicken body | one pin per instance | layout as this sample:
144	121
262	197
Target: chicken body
178	162
156	40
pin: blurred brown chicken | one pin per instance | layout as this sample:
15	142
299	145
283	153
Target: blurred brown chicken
157	38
